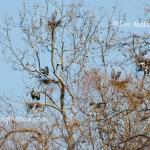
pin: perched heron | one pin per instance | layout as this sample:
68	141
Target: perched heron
115	75
45	71
35	95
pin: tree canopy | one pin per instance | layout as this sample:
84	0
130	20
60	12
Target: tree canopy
88	81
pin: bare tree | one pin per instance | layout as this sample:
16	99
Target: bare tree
85	93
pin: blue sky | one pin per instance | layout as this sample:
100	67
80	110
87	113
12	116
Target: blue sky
12	81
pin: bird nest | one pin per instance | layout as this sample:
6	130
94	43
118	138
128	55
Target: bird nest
120	84
35	106
48	81
53	24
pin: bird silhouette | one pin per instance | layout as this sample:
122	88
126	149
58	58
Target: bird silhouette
115	75
45	71
35	95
